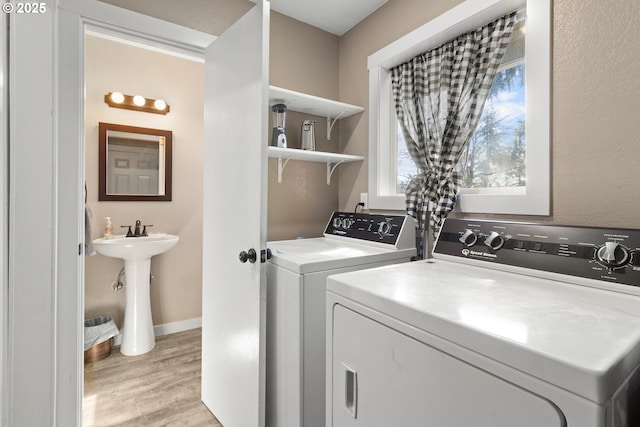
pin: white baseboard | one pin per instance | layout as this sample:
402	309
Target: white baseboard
172	328
168	328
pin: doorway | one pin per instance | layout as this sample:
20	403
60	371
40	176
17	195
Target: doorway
72	20
176	287
130	65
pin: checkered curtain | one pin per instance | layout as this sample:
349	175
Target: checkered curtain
439	96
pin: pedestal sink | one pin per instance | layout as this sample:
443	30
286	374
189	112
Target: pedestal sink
137	332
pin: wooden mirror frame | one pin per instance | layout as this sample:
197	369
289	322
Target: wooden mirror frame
102	163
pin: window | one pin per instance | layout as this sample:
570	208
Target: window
506	166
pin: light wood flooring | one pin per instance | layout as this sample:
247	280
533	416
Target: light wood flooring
159	388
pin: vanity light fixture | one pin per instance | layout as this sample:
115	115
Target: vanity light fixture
139	100
137	103
116	97
160	104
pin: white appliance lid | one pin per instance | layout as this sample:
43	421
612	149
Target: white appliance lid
582	339
322	253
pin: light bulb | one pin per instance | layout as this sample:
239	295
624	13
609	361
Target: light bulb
117	97
139	100
160	104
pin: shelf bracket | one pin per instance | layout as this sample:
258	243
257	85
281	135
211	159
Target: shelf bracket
281	166
332	121
331	170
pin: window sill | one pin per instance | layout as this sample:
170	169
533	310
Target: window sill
501	201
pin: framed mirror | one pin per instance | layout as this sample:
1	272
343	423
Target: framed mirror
134	163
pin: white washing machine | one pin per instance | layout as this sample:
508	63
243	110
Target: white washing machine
296	289
510	324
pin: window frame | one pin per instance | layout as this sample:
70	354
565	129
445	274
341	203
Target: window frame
534	199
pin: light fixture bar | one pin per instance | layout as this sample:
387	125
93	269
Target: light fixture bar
148	105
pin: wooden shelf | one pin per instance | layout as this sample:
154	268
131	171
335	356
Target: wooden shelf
303	103
332	160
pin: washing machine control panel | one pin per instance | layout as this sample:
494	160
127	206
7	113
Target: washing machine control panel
604	254
393	230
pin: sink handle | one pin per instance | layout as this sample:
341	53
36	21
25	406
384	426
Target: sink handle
144	230
129	233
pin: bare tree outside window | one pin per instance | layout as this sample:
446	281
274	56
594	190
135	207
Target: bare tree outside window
407	169
495	156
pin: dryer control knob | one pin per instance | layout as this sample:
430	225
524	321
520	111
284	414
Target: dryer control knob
468	238
494	241
613	255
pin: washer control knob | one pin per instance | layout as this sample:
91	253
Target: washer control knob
337	222
613	255
347	223
468	238
384	228
494	241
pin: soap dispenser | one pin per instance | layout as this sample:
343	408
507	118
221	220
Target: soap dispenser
108	228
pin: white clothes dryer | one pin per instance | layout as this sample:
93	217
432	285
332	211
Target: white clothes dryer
296	287
510	324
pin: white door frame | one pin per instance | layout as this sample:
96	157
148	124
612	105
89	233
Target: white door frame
4	210
30	359
43	372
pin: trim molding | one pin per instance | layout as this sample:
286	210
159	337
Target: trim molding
172	328
169	328
535	198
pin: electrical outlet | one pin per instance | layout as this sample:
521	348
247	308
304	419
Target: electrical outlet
364	198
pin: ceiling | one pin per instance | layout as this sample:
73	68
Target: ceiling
334	16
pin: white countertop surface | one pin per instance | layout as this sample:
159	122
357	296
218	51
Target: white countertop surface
582	339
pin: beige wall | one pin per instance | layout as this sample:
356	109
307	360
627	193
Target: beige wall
303	58
392	21
595	92
596	100
209	16
594	147
177	286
